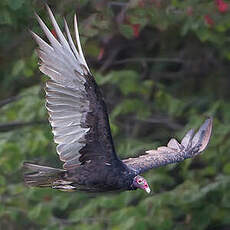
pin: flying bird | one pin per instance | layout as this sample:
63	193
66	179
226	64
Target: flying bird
80	124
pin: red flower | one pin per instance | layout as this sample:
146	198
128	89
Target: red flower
101	54
47	198
141	3
157	3
54	33
222	6
189	11
136	30
208	20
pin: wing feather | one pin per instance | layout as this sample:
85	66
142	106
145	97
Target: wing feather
60	35
71	43
187	140
174	152
78	42
77	112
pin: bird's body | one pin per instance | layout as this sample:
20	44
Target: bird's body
111	178
80	124
86	177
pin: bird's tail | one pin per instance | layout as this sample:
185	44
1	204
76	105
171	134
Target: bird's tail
42	176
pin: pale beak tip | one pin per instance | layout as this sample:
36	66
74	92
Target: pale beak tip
148	190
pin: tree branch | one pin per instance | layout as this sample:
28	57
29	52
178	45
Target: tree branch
16	125
161	120
141	60
9	100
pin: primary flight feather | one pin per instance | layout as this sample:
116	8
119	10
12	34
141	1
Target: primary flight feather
80	124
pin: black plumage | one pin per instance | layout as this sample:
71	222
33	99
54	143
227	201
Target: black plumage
80	124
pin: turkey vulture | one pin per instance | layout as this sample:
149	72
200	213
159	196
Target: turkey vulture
80	124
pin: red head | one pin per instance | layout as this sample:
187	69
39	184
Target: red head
140	182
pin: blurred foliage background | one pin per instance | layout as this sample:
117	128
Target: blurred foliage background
163	67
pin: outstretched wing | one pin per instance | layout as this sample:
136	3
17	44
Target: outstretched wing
77	112
190	146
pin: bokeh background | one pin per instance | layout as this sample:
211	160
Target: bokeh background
163	67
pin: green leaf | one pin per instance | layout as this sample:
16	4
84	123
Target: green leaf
15	4
126	30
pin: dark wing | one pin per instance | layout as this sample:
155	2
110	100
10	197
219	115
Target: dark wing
77	112
191	145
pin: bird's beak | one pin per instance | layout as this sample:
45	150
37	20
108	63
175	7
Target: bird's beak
147	189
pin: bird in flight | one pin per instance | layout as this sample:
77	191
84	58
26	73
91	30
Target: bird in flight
80	124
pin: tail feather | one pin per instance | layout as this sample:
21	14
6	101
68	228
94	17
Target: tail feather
42	176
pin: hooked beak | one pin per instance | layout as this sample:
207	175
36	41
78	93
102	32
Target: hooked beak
147	189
